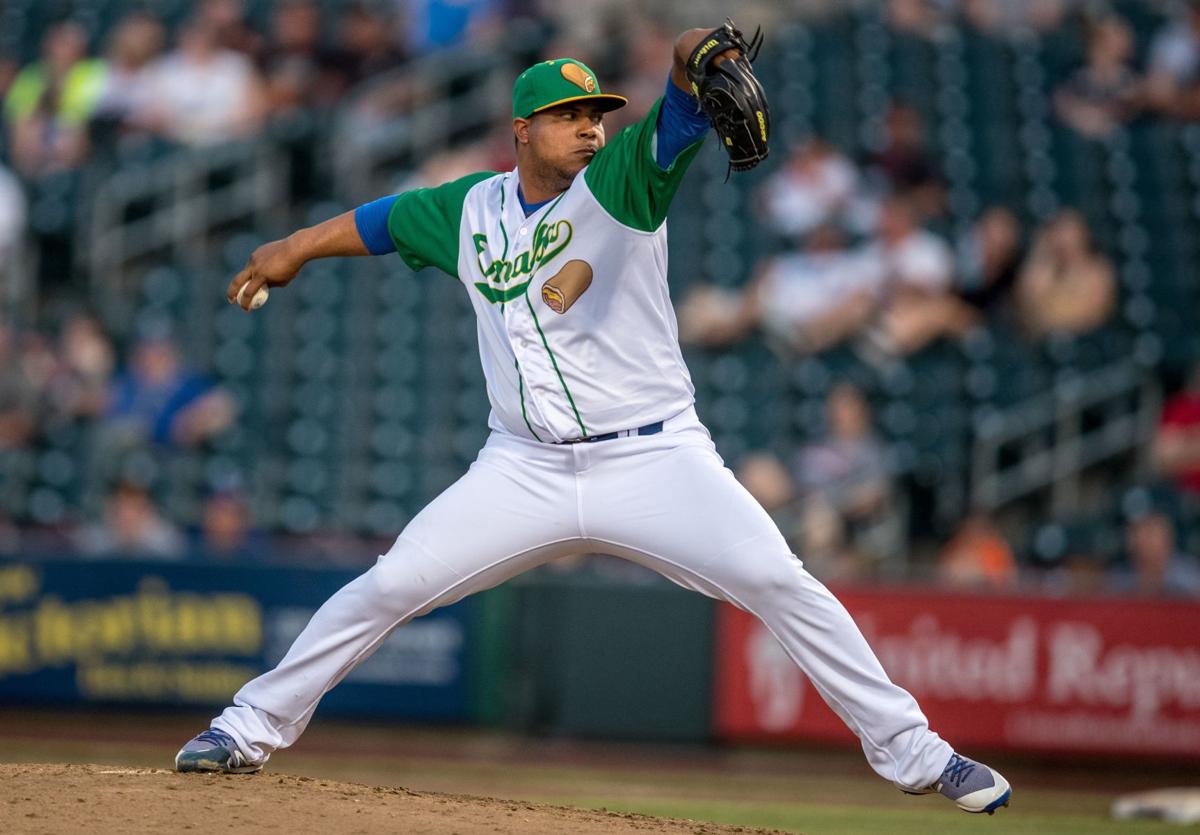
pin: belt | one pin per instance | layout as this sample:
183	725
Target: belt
648	429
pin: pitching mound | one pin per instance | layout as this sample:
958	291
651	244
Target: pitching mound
97	800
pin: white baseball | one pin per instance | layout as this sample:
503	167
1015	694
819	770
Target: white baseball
260	298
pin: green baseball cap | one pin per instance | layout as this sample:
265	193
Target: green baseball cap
550	83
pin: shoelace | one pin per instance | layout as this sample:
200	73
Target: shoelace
216	738
957	770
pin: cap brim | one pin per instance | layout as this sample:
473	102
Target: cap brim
605	101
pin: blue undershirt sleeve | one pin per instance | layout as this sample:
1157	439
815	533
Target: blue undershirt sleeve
680	123
371	219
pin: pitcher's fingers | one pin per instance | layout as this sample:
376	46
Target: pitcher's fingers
246	294
239	280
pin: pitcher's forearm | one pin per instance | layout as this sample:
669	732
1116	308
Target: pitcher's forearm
332	238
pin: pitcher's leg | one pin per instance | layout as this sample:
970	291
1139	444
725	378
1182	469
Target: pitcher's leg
709	534
463	542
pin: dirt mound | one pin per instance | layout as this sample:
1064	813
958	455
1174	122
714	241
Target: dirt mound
97	799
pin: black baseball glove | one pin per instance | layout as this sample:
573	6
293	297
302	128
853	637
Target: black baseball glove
731	95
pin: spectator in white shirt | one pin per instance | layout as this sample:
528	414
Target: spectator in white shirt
201	93
916	271
815	186
135	44
808	300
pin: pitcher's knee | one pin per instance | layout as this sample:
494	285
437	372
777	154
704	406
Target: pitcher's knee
407	580
770	577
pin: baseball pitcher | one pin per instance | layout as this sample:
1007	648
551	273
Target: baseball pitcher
595	445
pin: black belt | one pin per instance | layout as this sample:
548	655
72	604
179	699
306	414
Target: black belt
648	429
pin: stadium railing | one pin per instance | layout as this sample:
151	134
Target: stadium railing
1049	440
172	206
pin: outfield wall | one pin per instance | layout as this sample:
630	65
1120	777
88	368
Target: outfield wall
587	654
1073	676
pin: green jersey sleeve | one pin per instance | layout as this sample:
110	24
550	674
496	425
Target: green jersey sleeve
424	223
625	177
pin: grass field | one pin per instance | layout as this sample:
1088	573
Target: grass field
814	792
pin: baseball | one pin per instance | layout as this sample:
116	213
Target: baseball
260	298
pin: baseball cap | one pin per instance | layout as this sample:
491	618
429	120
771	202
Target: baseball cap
550	83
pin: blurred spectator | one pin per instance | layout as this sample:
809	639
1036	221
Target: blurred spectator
8	71
809	300
135	43
227	20
202	93
132	527
1065	285
1173	71
1076	554
367	42
12	216
842	482
1156	567
815	299
225	532
904	165
19	395
918	17
298	70
1014	18
1102	94
436	24
79	388
10	537
989	256
814	187
1177	443
50	101
978	556
916	270
848	467
157	399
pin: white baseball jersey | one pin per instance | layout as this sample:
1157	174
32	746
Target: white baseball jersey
577	335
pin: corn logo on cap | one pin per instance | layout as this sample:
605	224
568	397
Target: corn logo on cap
550	83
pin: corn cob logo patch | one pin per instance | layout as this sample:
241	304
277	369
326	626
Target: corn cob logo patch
567	285
578	76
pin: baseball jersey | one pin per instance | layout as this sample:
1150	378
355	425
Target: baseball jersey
577	335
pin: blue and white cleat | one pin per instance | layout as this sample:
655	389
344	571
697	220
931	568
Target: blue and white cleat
214	751
974	787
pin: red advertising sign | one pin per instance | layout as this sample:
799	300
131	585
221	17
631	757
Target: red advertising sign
1034	674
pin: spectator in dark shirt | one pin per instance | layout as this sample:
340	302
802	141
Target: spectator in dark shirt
988	259
904	164
225	531
299	70
367	43
1102	94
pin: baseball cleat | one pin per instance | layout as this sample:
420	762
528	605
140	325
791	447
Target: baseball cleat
212	751
974	787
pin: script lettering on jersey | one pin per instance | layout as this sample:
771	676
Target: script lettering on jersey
549	239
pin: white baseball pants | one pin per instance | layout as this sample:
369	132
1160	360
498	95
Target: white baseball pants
665	501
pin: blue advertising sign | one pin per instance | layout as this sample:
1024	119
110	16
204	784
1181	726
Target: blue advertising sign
141	632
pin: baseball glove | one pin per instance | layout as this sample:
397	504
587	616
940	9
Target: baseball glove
731	96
